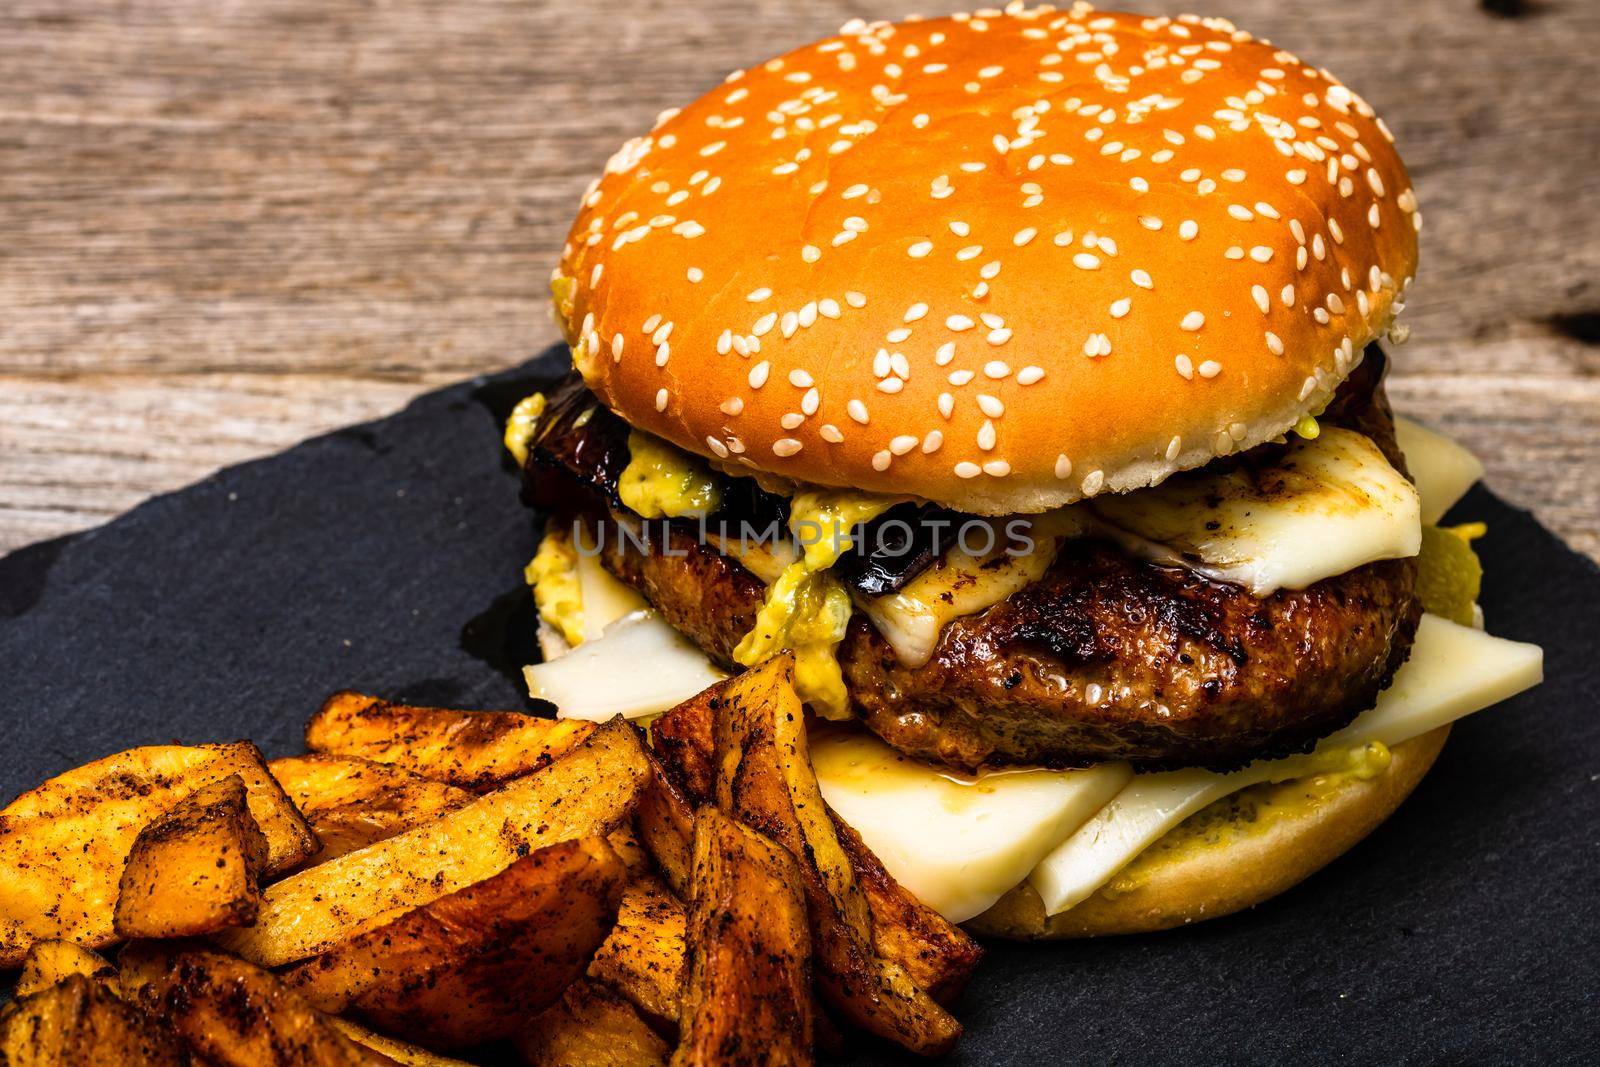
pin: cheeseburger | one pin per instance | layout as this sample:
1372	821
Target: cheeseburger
1022	374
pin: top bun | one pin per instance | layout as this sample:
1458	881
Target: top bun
995	261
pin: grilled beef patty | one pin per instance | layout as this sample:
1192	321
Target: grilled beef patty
1104	658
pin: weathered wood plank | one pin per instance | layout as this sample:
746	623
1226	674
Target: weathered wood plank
224	227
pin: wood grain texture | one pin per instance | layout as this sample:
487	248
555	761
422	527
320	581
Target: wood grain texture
226	225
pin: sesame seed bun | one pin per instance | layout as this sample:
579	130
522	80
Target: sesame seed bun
1239	864
998	262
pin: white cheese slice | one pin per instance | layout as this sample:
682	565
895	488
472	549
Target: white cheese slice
1012	554
1442	468
605	599
638	667
1333	504
1453	671
958	843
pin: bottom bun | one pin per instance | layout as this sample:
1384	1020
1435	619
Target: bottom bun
1235	854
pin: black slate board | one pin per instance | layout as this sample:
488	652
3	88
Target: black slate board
387	557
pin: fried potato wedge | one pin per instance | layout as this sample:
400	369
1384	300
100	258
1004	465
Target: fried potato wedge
764	779
472	965
233	1013
64	843
352	803
50	963
747	994
937	954
682	737
588	792
80	1022
643	957
196	869
475	750
590	1026
664	822
407	1055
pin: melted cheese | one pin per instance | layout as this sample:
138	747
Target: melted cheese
960	584
638	667
1334	504
1442	470
1453	671
807	609
957	842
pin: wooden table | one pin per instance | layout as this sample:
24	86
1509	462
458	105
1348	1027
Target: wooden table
225	226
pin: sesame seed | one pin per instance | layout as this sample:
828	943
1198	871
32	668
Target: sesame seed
830	433
800	379
999	337
855	299
898	334
965	469
1240	212
810	253
696	274
764	324
995	369
1085	261
945	353
1093	482
931	443
1188	230
661	400
920	249
1063	466
903	444
1142	279
891	385
1287	296
758	374
997	468
1029	375
947	404
732	406
1261	253
1193	321
1209	369
1185	365
959	323
991	406
857	412
915	312
785	447
1263	301
1023	236
1120	308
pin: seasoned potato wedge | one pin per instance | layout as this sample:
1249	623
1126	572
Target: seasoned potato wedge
352	803
472	749
682	738
664	822
233	1013
747	992
588	792
764	779
64	844
590	1026
50	963
80	1022
407	1055
196	869
937	954
643	957
470	966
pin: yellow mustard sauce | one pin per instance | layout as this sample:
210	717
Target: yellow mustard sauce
522	425
661	481
557	592
807	609
1254	809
